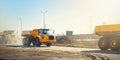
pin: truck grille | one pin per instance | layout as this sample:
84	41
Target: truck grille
51	37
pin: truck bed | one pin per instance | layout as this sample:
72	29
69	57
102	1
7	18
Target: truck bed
108	30
26	33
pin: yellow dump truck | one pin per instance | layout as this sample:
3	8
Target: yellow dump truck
110	36
38	37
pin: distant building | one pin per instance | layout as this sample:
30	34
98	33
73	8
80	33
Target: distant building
69	33
7	37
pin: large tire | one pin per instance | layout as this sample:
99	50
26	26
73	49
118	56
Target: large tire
37	42
103	43
114	44
26	42
48	44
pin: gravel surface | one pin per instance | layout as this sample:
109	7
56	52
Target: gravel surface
38	54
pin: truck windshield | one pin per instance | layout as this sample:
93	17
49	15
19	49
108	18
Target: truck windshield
46	31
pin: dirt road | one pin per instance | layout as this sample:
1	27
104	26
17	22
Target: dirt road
39	53
53	53
112	55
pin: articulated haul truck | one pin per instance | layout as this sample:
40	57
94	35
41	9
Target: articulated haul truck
110	36
38	37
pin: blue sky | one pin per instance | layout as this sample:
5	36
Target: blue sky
62	15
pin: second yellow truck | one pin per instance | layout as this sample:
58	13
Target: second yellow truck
110	36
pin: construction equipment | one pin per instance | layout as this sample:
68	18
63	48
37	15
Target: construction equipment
38	37
110	36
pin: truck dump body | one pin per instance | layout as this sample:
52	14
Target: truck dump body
108	30
26	33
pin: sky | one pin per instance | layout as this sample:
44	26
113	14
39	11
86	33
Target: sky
79	16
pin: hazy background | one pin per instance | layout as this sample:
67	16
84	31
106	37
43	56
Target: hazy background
80	16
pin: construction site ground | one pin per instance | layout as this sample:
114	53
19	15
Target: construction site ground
46	53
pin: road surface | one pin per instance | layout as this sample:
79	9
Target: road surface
112	55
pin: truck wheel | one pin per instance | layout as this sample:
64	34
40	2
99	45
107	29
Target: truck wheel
26	42
38	44
114	44
103	44
48	44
